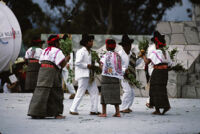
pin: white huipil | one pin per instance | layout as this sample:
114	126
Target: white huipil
65	75
82	73
53	55
32	53
128	95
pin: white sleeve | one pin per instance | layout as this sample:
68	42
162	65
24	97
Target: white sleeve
59	57
27	54
79	60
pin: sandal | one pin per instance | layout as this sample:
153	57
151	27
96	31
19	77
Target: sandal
125	111
156	113
60	117
102	115
130	110
95	113
148	105
117	115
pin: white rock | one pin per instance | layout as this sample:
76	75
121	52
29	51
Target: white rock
164	27
177	27
178	39
191	35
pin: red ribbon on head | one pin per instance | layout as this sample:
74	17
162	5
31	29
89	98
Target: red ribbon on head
112	46
158	43
53	39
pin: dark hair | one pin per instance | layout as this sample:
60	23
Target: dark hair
36	41
86	38
53	43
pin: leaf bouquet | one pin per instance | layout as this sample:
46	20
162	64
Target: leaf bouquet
130	74
143	46
66	47
95	69
66	44
178	67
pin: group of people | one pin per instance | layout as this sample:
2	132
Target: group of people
44	77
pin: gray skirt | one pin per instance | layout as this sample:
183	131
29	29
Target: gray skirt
31	77
47	99
110	90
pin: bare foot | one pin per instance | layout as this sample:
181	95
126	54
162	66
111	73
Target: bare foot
148	105
102	115
117	115
60	117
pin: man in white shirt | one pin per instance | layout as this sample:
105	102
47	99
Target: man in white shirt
82	75
128	95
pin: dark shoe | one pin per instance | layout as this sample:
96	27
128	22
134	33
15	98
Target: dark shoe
156	113
130	110
71	96
95	113
73	113
125	111
37	117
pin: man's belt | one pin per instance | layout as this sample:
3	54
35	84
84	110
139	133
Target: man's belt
160	66
47	65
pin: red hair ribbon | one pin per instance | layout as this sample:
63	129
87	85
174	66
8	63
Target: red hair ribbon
53	39
158	43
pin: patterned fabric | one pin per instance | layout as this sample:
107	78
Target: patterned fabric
112	65
33	53
53	55
110	90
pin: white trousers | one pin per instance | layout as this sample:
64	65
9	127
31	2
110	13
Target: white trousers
69	86
83	85
128	95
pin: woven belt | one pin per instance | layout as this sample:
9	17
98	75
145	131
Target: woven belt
33	61
160	66
47	65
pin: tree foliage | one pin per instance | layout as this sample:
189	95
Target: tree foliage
90	16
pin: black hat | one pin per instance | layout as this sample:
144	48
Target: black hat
126	40
36	40
160	37
86	38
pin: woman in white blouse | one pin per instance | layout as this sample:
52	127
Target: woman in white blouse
161	62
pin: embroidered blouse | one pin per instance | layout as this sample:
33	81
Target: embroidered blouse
33	53
157	57
52	54
112	65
